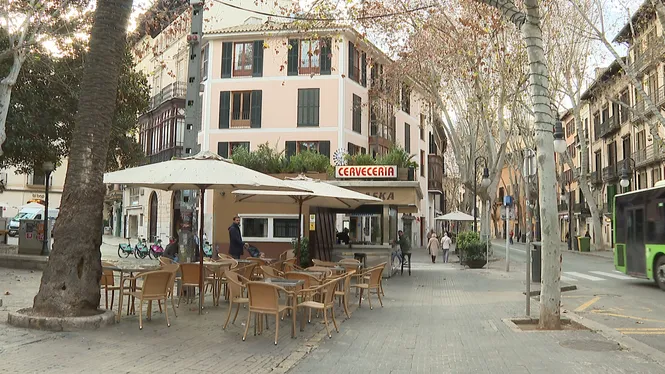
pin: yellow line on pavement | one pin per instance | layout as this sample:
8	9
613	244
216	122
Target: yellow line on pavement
584	306
603	312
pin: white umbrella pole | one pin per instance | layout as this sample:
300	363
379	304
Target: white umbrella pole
298	252
201	208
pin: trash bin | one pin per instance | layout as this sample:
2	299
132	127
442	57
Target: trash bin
584	244
536	256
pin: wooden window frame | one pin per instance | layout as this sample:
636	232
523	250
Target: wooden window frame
241	123
310	54
301	105
244	72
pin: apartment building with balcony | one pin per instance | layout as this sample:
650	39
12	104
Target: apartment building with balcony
162	54
320	90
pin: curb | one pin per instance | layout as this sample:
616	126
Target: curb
593	254
623	340
24	262
22	319
566	288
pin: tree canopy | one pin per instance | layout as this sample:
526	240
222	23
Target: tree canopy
44	103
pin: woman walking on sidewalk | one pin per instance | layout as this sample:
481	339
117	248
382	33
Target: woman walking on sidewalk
445	245
433	246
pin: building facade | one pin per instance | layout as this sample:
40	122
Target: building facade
17	190
320	90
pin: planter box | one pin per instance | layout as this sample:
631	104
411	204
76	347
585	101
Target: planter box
475	264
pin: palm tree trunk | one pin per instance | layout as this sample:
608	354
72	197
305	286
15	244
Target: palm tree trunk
70	282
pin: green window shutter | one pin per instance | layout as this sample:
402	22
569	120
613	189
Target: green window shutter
351	148
308	106
326	56
257	65
223	149
407	138
290	149
224	109
256	107
227	59
324	148
357	114
363	70
292	60
351	61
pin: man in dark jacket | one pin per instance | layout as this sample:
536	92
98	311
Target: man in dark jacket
171	250
236	244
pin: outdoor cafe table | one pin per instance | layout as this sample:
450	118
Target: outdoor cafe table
129	268
289	285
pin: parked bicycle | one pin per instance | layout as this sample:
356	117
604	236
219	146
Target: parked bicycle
142	250
124	250
156	249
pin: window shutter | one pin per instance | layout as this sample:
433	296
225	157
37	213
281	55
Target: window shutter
324	148
350	149
224	109
407	138
363	70
292	68
227	59
363	150
351	67
257	66
326	56
257	106
223	149
290	149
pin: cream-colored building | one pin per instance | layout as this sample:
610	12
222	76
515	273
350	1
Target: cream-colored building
17	190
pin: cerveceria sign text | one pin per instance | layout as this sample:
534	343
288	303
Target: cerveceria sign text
366	171
385	196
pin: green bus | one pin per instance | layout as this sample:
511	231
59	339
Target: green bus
639	233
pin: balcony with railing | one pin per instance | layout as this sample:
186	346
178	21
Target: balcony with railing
435	173
596	177
608	126
649	55
581	208
653	153
175	90
610	173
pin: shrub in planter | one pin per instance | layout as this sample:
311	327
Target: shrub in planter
304	251
475	254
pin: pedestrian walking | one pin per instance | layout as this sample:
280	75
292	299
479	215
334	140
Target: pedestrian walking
511	236
433	246
405	247
236	244
445	246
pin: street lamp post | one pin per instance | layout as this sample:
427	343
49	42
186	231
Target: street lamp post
625	173
483	183
48	168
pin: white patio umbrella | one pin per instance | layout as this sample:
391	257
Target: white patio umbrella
455	216
205	170
322	194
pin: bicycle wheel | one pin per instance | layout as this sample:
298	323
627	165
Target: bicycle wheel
120	252
150	254
136	253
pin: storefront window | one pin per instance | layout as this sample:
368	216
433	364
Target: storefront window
255	227
285	228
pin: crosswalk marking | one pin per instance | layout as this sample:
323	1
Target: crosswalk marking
567	279
583	276
613	275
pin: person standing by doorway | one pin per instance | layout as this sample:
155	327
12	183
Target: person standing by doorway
433	246
236	244
445	246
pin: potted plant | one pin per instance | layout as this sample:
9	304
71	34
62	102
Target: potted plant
474	254
464	239
304	251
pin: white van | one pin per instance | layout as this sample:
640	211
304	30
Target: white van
30	211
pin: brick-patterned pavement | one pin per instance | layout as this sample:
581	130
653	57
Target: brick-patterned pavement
440	320
446	320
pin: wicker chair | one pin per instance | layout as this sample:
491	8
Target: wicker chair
370	280
343	292
173	268
327	264
327	303
155	288
270	272
236	287
264	300
107	283
189	278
